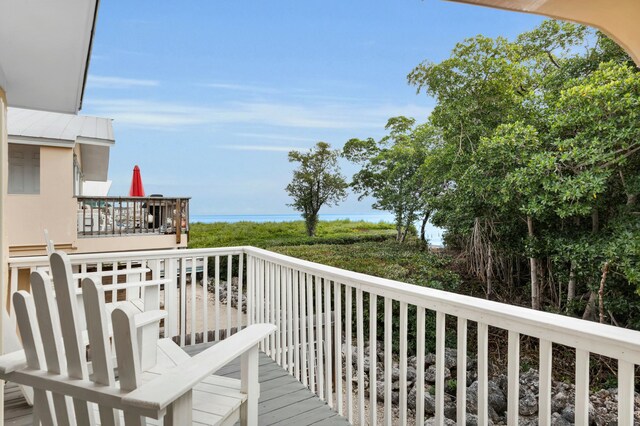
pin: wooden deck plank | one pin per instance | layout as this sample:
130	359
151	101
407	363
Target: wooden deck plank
318	415
290	412
283	399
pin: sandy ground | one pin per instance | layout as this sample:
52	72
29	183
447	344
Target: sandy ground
223	317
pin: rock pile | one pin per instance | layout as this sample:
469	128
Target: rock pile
603	406
211	288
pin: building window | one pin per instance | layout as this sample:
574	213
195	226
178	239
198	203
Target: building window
24	169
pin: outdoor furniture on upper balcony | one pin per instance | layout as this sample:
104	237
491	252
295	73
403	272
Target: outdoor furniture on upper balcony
341	333
118	216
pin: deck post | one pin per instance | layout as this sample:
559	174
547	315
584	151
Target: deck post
250	386
171	294
4	243
179	412
178	220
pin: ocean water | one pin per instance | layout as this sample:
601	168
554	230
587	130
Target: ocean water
433	233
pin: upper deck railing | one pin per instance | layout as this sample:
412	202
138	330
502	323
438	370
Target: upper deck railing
328	318
117	216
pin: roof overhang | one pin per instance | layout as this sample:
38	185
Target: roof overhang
92	135
44	52
619	19
94	154
95	160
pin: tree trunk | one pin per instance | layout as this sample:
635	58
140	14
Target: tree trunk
632	198
406	230
588	310
571	288
398	229
533	262
398	215
489	274
425	220
311	223
605	270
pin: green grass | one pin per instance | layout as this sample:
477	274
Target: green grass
364	247
274	234
386	259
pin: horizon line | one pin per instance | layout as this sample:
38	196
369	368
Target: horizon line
280	214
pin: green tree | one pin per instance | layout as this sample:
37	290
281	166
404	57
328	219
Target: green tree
316	182
539	165
392	170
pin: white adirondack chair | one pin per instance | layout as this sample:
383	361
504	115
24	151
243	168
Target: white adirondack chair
178	390
143	294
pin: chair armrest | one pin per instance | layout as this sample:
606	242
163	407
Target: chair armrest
160	393
149	317
12	361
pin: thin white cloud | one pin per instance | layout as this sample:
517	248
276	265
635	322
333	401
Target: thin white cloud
171	115
272	136
111	82
130	52
148	114
241	87
270	148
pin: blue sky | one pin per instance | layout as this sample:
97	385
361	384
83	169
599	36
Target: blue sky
207	97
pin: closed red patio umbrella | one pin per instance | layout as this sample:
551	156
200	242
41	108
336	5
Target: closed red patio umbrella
136	189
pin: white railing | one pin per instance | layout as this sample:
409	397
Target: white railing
324	312
188	320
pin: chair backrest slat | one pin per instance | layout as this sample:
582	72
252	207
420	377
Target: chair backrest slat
71	332
126	343
49	323
101	357
34	353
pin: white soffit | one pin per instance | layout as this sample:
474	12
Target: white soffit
619	19
44	52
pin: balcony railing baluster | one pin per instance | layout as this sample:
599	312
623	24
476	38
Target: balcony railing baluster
205	298
111	216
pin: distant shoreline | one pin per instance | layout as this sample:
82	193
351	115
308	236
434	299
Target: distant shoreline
291	217
433	233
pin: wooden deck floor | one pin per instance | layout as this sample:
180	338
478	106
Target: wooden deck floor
283	400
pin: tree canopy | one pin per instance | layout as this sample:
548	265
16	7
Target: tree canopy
541	146
530	160
316	182
393	170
